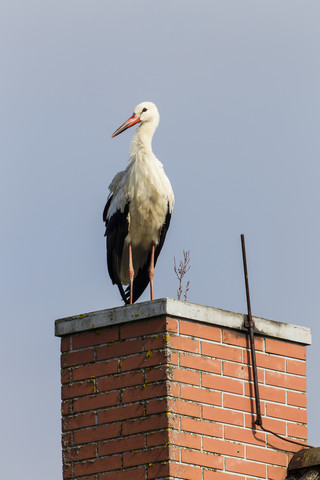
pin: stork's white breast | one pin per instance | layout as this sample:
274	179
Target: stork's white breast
148	189
150	193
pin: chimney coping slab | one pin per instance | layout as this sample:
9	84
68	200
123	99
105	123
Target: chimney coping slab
179	309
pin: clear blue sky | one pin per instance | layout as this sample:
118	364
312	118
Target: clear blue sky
237	87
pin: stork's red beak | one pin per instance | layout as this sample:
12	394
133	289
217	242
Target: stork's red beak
129	123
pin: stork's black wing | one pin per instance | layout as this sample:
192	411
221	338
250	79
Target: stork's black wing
116	231
141	281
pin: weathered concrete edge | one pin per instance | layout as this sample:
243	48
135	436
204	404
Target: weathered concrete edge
176	308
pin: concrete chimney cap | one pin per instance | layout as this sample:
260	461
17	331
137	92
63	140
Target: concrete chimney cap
179	309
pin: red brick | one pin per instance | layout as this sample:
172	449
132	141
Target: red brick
239	339
135	394
119	349
179	470
244	404
201	395
196	329
96	433
271	362
288	413
296	398
276	473
154	374
201	458
77	358
265	455
223	447
145	424
96	401
285	349
184	439
225	384
232	337
95	370
298	431
173	421
65	345
145	327
157	341
181	407
267	393
184	343
157	438
244	435
77	390
172	324
123	412
66	375
123	444
245	467
297	367
136	473
79	421
221	415
67	471
174	452
151	455
173	389
98	465
237	370
67	440
201	427
91	477
198	362
186	376
156	406
157	470
95	337
173	357
143	360
222	351
79	453
113	382
66	407
211	475
286	381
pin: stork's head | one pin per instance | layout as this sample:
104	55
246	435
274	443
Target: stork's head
144	113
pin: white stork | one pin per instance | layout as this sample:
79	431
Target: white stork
138	211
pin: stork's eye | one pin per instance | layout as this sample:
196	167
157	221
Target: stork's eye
144	109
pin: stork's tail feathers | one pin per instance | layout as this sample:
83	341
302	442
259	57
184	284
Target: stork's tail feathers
124	294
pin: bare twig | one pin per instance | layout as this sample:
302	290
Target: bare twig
186	290
180	272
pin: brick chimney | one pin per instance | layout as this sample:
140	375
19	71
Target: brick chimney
163	390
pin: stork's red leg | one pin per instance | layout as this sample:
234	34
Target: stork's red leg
131	272
151	271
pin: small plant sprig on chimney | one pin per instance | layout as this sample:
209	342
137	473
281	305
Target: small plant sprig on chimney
180	271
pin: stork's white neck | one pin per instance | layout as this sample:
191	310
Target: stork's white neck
142	139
